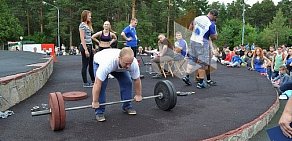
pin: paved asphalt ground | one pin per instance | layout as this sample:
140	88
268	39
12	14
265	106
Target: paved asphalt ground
240	97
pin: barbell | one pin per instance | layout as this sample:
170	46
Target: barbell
164	95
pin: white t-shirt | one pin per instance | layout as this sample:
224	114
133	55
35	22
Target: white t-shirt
201	27
108	60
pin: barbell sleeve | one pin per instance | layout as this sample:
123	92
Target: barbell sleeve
45	112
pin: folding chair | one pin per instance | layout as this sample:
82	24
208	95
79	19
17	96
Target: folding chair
168	67
179	66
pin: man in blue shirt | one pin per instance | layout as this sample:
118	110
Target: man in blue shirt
129	34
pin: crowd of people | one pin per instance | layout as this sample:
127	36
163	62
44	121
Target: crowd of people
122	64
275	63
103	59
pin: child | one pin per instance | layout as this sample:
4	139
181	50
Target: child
282	78
235	61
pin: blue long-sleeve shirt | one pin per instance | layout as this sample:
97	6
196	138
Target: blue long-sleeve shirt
283	78
236	58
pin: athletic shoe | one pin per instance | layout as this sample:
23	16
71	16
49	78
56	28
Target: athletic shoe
130	111
100	118
211	82
186	80
87	85
202	85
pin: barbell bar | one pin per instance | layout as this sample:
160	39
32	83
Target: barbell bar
164	94
48	111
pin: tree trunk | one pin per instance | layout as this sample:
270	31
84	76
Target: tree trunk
133	8
41	20
70	30
28	23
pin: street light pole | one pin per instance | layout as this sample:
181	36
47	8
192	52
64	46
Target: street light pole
243	23
45	3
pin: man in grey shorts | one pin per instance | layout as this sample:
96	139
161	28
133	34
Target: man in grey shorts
204	28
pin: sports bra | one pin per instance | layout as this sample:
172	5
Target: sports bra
105	38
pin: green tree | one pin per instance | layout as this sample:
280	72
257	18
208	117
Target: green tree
261	14
277	32
231	34
9	25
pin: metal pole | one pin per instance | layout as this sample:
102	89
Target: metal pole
59	43
58	38
45	112
243	23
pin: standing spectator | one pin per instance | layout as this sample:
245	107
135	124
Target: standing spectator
288	61
129	34
270	56
86	47
105	37
242	51
252	47
277	61
199	53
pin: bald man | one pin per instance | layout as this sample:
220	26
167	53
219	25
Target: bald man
124	67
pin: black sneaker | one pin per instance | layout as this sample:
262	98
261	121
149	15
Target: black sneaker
130	111
211	82
100	118
186	80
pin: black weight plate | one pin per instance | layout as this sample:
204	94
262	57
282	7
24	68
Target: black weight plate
168	101
173	94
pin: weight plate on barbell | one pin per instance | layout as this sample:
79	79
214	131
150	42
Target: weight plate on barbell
168	101
55	113
61	110
173	93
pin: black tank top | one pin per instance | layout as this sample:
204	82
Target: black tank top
105	38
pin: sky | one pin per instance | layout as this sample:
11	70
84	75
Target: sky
250	2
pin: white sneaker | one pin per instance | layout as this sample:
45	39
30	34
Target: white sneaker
283	97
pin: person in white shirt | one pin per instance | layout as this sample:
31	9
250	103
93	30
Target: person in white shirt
124	67
204	28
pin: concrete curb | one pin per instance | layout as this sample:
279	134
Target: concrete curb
248	130
18	87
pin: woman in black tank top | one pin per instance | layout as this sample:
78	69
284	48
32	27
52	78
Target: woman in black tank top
104	38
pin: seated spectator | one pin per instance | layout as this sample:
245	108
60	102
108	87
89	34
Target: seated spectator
246	59
257	62
165	54
141	51
282	78
288	61
180	49
229	55
235	61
